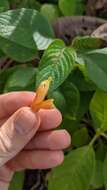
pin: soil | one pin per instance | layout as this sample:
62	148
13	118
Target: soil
67	28
35	180
96	8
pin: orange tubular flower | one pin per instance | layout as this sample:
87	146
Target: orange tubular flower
39	101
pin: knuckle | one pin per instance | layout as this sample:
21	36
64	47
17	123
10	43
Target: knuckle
5	145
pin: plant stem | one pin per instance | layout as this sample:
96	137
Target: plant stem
104	135
94	139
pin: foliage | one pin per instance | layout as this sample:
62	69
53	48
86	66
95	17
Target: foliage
50	11
19	38
4	5
79	84
19	177
70	175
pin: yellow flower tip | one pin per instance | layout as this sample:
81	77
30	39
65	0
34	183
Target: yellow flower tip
41	92
47	104
45	84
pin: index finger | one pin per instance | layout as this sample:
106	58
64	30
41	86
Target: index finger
11	102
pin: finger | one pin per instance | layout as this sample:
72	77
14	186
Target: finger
50	119
36	160
11	102
52	140
5	177
17	132
4	185
2	121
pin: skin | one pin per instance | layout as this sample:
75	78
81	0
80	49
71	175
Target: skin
28	140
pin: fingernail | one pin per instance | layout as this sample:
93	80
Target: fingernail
26	121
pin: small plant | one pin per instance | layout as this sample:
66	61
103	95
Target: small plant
78	86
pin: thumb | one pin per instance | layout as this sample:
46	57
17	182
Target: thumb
16	132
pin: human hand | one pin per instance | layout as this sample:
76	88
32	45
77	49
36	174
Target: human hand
27	140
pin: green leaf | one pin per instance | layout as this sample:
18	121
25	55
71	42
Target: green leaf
50	11
32	4
1	54
80	137
85	98
49	1
96	64
17	182
101	150
59	100
76	171
16	52
22	32
97	180
80	78
105	172
4	5
4	75
70	124
90	188
20	79
86	43
71	7
57	62
72	97
98	110
14	3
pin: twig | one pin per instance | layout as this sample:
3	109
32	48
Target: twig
94	139
7	64
104	135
